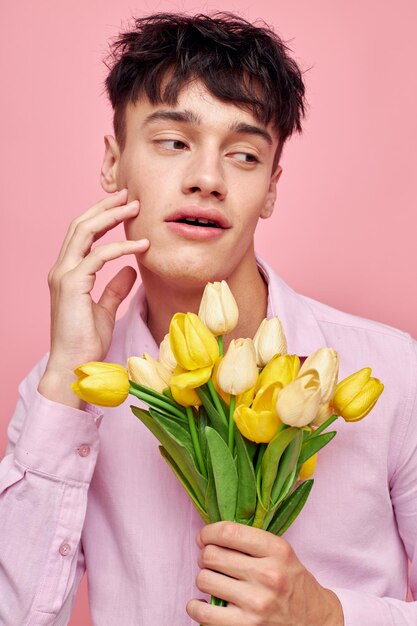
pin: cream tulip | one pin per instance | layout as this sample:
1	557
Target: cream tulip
218	308
237	371
166	356
148	372
269	340
298	402
324	411
326	362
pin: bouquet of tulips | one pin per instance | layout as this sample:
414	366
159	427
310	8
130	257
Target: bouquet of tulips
240	430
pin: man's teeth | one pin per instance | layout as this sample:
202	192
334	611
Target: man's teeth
199	220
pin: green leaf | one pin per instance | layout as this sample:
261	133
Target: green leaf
165	396
202	423
157	400
290	508
211	496
287	466
271	460
202	512
216	420
246	494
177	431
313	445
225	474
180	454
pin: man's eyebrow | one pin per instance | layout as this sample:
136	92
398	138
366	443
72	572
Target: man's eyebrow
173	116
250	129
190	117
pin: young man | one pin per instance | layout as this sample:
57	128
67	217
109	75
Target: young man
203	107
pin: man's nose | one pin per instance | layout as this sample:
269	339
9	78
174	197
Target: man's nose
205	177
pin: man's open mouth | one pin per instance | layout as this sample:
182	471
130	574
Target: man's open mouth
198	222
200	217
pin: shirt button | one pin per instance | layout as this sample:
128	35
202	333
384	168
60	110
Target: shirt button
64	549
84	450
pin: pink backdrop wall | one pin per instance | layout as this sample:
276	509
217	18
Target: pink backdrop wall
346	218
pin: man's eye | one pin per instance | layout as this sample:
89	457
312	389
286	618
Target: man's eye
172	144
246	157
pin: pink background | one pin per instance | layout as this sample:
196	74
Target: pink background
346	218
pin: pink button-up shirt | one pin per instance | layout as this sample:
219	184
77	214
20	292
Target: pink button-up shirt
80	491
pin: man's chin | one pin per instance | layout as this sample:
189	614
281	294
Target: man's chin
190	270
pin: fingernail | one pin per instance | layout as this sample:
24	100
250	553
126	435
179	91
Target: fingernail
132	203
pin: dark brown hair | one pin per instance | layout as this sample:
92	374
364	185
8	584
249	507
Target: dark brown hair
238	62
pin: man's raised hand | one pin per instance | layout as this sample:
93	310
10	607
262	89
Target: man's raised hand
81	329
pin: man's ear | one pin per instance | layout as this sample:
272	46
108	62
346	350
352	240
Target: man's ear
110	166
271	196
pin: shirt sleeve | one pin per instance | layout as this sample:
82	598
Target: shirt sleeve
44	481
362	608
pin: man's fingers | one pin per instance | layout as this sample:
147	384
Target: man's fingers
110	202
230	562
117	289
224	587
210	615
89	230
94	261
252	541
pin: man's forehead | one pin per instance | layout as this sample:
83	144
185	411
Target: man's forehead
194	105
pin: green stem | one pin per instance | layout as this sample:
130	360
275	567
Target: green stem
220	342
261	452
196	443
231	439
325	425
216	400
152	401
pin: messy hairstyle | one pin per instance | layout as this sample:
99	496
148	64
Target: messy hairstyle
238	62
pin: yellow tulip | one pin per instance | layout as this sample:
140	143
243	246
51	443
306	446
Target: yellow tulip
281	368
237	370
260	426
192	343
218	308
266	398
356	395
148	372
104	384
326	362
184	382
298	402
165	355
269	340
307	468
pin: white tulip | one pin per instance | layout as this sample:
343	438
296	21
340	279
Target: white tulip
269	340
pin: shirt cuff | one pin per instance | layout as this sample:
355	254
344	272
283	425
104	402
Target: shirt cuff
59	441
361	608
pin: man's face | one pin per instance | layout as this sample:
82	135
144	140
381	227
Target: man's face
202	172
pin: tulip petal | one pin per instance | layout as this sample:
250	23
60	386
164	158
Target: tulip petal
259	427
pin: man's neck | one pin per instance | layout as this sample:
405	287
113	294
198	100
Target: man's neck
166	297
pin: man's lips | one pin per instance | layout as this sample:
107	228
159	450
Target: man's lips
199	217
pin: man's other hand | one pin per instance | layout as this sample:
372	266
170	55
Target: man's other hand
262	580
